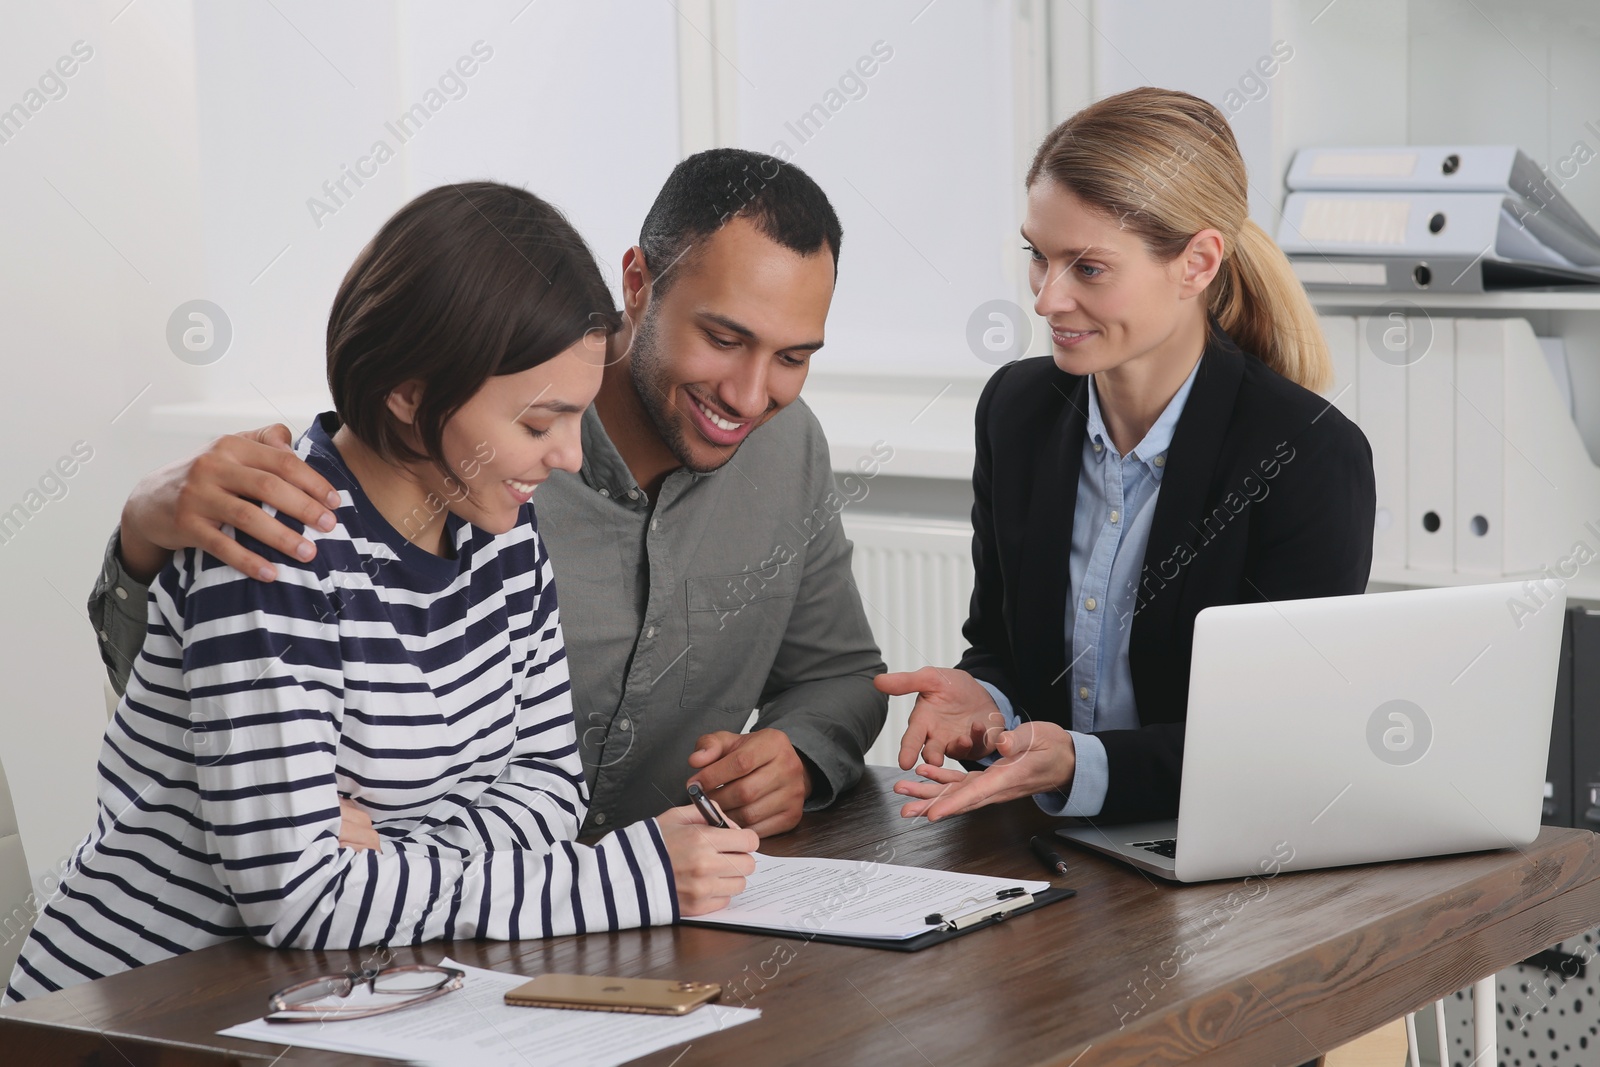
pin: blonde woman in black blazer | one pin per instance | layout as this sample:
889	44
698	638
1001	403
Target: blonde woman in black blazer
1172	454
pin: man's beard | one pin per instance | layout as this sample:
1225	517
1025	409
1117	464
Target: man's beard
648	369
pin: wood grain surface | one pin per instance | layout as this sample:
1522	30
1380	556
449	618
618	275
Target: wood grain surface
1130	971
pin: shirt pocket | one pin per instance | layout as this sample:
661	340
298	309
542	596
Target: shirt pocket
736	624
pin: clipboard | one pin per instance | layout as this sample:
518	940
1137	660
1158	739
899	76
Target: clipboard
935	936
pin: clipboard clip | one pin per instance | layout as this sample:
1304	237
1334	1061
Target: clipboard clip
1009	900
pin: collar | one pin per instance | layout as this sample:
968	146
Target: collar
603	468
606	472
1152	450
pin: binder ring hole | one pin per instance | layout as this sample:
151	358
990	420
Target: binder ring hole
1479	525
1422	275
1452	163
1436	223
1430	522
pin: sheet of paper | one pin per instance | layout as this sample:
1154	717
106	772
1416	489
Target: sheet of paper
475	1025
860	898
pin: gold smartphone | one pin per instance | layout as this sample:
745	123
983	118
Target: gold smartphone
646	996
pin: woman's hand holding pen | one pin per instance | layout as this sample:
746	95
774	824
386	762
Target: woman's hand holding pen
709	864
1036	757
954	715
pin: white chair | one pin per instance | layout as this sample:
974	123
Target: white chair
17	904
1484	1037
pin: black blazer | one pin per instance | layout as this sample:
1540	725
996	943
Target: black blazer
1267	494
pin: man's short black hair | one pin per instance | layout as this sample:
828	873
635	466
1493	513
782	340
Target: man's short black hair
713	187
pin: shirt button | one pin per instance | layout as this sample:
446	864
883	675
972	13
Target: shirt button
655	524
103	636
649	631
1115	515
1089	603
1098	446
633	494
1083	691
605	492
625	725
122	594
1160	461
599	818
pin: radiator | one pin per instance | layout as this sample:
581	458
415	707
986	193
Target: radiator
915	578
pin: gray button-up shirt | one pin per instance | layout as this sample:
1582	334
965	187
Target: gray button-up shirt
731	593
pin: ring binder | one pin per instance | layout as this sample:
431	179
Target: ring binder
1467	219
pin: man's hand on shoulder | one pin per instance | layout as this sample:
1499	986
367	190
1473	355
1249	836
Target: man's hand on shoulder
186	504
758	779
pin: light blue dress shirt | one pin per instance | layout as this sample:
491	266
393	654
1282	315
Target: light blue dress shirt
1110	530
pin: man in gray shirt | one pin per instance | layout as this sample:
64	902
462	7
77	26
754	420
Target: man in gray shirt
701	575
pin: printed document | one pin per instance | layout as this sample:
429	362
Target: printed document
475	1025
858	898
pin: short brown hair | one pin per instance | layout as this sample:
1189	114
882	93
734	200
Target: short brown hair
464	283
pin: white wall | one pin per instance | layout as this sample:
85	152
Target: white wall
102	239
574	102
920	166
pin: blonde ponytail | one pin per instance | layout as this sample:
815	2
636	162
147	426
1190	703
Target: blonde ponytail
1165	163
1258	301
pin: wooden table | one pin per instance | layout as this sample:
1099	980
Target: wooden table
1131	971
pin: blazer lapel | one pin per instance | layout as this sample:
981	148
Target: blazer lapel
1038	623
1175	534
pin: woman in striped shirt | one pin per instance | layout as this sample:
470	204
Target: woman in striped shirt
378	747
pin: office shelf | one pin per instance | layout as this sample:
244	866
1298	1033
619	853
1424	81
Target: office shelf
1585	587
1567	298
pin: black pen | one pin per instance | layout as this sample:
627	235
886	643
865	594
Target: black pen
708	809
1049	856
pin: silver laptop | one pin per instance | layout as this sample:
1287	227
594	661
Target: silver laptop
1356	729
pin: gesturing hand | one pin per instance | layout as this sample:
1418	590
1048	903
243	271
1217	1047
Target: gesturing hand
1036	757
953	716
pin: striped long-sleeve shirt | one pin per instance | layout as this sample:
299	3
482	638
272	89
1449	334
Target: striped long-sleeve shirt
432	690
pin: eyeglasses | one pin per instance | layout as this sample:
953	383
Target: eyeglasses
377	990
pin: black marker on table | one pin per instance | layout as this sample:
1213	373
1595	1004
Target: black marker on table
1048	855
708	809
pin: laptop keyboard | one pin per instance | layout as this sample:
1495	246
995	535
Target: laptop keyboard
1167	847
